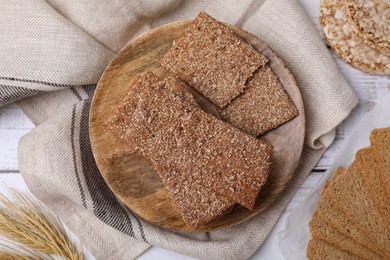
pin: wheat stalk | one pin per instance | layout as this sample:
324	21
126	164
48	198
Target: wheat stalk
28	222
13	251
10	255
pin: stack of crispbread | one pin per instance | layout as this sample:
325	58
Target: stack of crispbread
206	164
359	32
352	218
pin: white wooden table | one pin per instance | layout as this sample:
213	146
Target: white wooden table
14	124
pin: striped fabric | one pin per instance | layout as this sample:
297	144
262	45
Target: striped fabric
52	54
9	94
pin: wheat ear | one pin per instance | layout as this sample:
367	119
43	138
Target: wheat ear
27	221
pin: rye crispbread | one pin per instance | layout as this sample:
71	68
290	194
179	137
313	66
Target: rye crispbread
196	203
212	59
263	106
190	147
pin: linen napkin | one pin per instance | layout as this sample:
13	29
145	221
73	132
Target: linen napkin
52	54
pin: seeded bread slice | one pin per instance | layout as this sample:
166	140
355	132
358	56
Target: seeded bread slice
335	218
370	164
320	250
263	106
322	230
353	199
213	59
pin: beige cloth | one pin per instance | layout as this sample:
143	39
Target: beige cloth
52	54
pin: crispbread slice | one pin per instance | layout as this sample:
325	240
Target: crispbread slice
262	107
146	91
318	249
214	155
217	155
351	197
180	139
380	138
197	204
213	60
117	123
370	164
328	212
322	230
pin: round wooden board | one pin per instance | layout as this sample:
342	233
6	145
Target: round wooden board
132	178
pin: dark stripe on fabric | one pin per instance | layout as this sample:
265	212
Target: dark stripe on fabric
82	193
141	228
105	205
51	84
76	94
90	90
318	170
10	94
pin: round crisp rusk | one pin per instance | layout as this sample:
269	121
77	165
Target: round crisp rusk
372	20
345	39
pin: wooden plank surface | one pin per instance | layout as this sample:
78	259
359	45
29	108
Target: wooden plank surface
13	125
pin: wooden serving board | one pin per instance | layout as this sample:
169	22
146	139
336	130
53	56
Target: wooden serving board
132	178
